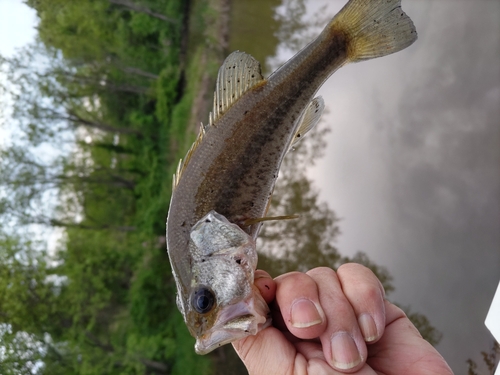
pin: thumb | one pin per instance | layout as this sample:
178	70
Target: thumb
268	352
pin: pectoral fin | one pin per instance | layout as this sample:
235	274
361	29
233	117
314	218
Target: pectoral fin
249	222
309	119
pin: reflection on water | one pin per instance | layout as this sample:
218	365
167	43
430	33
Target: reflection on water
306	242
254	28
411	166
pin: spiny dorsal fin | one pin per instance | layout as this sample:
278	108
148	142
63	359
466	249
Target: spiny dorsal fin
238	73
309	119
182	163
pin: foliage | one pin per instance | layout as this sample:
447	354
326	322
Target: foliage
308	242
96	108
490	359
428	332
310	238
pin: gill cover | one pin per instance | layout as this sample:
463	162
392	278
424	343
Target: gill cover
222	304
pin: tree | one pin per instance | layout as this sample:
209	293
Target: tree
490	359
89	144
31	185
139	8
308	242
51	98
28	304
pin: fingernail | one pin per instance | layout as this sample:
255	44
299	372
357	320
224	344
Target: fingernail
345	354
368	327
304	313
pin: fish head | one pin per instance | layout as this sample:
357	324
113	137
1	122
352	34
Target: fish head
222	304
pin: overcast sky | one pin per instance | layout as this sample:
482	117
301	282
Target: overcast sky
413	162
17	23
17	28
412	167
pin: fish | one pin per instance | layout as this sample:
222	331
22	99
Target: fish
223	187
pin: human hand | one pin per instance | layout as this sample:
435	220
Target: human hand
327	322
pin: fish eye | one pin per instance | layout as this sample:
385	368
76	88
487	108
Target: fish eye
203	300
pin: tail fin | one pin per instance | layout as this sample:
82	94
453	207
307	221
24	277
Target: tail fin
374	28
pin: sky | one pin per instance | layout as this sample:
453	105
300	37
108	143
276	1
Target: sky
412	167
412	164
17	28
17	25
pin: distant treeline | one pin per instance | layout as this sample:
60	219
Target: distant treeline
101	104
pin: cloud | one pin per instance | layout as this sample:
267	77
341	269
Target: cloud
413	167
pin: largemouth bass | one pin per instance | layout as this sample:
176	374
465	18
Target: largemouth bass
223	188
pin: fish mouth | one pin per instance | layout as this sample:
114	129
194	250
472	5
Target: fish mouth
234	322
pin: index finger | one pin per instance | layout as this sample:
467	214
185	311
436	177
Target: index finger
266	285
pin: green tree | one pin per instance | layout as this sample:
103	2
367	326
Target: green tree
28	304
490	359
309	241
93	107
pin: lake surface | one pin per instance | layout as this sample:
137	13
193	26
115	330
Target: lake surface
412	161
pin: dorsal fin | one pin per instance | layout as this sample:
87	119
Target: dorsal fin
239	72
309	119
182	163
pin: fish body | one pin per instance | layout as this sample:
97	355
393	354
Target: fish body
227	178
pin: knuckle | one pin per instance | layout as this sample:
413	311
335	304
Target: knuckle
371	291
322	272
352	268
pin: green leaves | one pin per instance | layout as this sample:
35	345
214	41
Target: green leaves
23	284
93	107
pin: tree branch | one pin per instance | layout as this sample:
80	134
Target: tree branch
58	223
101	82
149	363
155	365
140	72
73	117
131	5
96	342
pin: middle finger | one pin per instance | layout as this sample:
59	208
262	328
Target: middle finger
343	343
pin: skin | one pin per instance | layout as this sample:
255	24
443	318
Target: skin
373	336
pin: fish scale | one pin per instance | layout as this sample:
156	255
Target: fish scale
222	188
